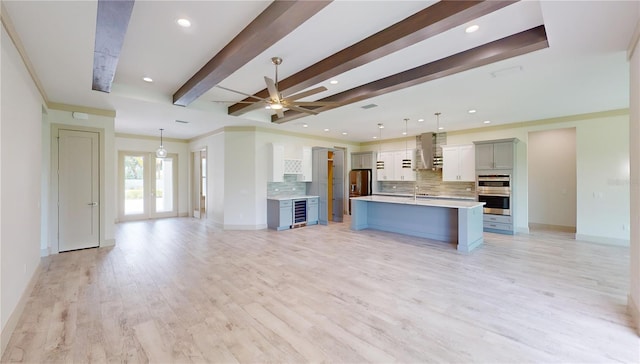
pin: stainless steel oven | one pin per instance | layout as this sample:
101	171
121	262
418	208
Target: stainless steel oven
495	191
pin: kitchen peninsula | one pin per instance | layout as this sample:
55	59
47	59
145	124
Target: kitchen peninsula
453	221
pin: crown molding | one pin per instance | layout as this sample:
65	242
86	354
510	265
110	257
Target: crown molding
150	137
7	24
84	109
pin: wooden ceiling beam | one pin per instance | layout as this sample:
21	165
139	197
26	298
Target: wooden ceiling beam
111	27
501	49
275	22
431	21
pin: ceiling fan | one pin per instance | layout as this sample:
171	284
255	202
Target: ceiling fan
278	102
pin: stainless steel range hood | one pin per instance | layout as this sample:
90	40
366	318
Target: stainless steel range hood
430	151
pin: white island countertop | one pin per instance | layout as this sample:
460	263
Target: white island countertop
421	201
292	197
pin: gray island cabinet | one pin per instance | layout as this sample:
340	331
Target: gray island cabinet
452	221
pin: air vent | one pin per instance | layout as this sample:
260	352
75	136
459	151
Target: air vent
369	106
182	122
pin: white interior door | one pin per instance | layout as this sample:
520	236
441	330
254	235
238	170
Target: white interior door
164	187
78	190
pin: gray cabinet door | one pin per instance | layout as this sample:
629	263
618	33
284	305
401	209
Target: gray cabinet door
286	215
503	155
312	211
320	183
338	185
484	156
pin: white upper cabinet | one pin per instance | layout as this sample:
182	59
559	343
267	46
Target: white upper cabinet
458	163
276	159
307	165
393	170
363	160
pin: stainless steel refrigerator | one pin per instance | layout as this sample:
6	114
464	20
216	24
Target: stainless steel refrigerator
359	184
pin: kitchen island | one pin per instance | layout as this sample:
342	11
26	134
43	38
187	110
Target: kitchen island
453	221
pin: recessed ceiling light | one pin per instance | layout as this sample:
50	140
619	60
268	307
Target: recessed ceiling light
344	133
147	79
472	111
375	137
305	125
487	121
420	120
268	107
404	133
333	82
326	129
472	28
441	128
185	23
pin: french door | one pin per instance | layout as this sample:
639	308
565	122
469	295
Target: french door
148	186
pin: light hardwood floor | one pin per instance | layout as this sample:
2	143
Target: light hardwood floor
179	290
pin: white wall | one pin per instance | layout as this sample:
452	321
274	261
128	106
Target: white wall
601	152
603	181
149	145
20	158
634	154
552	177
108	201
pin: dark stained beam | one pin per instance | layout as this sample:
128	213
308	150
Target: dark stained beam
431	21
515	45
275	22
111	27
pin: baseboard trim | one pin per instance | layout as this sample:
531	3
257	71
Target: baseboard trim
12	322
603	240
561	228
634	312
44	252
522	230
245	227
108	242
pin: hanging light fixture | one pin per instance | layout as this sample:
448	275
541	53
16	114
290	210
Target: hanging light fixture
437	157
406	162
379	162
161	152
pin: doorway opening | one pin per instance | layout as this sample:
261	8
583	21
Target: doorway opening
199	178
552	182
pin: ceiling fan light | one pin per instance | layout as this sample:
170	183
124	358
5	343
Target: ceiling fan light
276	106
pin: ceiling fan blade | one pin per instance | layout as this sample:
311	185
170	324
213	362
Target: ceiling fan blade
303	94
242	93
302	109
273	91
317	103
234	102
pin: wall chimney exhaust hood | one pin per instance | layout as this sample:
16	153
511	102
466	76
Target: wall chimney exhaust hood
429	150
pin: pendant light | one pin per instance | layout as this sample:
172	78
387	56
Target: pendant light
379	162
437	158
161	152
406	162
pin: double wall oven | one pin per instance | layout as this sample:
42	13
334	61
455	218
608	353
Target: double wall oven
495	191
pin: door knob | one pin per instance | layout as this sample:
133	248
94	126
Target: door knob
92	204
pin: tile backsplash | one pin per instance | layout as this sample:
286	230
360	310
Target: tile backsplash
289	187
429	182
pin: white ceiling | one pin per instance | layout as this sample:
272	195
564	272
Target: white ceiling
584	69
